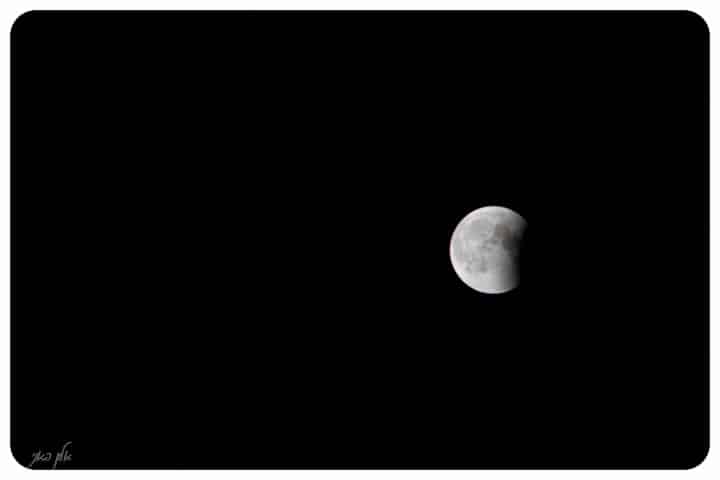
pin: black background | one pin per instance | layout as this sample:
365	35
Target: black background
230	237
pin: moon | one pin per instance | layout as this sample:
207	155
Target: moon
485	249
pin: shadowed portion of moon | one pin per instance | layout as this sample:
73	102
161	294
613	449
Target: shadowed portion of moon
485	249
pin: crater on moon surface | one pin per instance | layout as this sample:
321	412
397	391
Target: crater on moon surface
485	249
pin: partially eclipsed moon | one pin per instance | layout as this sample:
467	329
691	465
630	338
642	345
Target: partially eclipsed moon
485	249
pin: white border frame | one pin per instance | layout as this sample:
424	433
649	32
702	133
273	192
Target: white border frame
11	9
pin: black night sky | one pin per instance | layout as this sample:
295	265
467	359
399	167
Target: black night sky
230	238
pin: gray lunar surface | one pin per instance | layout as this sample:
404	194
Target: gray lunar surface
485	249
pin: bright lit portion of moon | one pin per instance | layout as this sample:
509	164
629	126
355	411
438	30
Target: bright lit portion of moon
485	249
